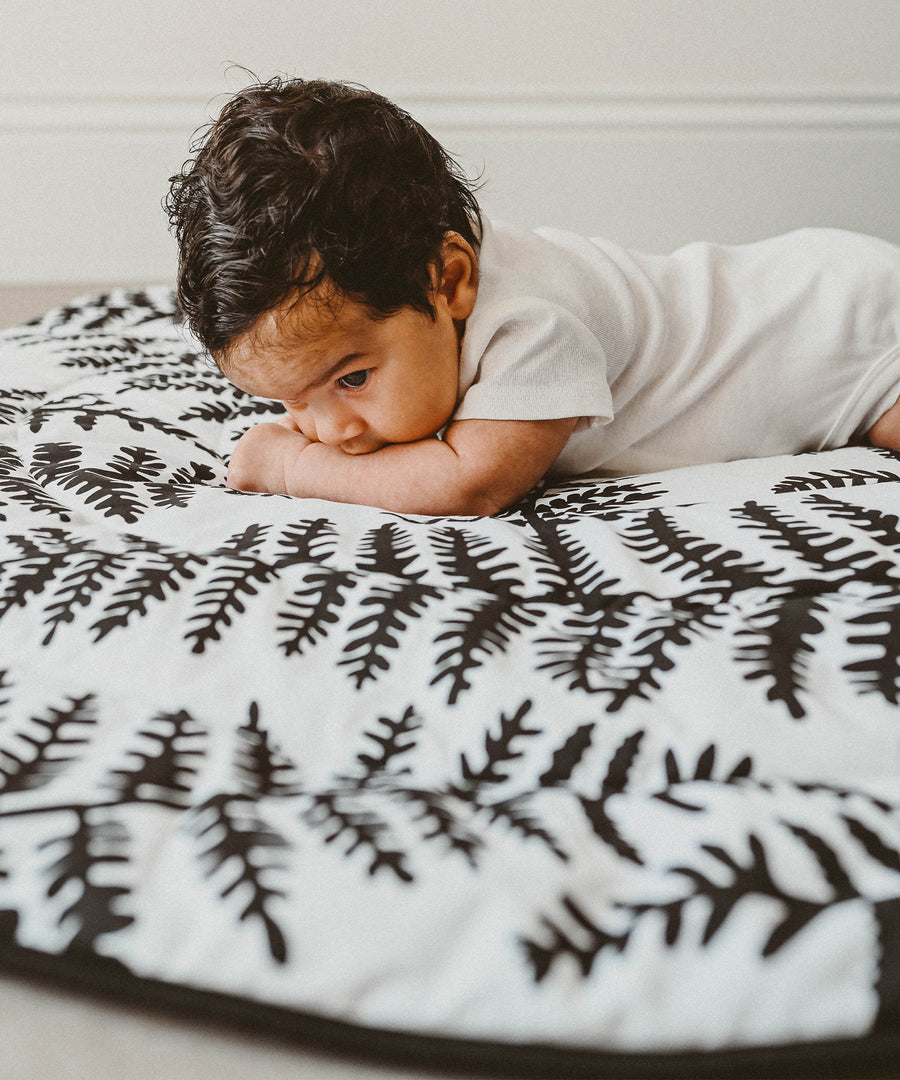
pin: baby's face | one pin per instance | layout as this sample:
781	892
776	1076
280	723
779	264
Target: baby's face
348	379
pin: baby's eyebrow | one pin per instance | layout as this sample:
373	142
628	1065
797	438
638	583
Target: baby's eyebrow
328	375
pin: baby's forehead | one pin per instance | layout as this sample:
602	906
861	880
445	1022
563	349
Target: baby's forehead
307	329
307	322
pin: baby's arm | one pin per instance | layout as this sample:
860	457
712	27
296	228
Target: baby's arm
480	466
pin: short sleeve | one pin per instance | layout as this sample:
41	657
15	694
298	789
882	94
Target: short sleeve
530	359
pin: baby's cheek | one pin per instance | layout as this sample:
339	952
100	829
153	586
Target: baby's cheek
288	422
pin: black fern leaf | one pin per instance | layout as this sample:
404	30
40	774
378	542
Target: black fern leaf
836	478
615	782
657	631
721	897
118	309
262	770
169	377
16	485
54	462
875	847
393	604
14	404
10	462
703	770
610	500
568	756
4	685
194	474
580	576
343	814
163	769
885	452
470	561
85	410
47	745
154	306
111	311
583	652
800	914
572	935
88	572
310	612
440	808
842	791
498	753
97	842
781	649
515	815
819	548
240	846
625	646
44	554
157	572
171	496
392	607
879	671
392	742
878	525
828	860
137	464
662	542
139	362
110	488
237	574
180	488
100	353
437	811
389	550
245	407
311	540
247	542
228	404
214	412
115	498
483	628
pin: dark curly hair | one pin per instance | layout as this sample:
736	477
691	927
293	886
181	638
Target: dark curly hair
300	185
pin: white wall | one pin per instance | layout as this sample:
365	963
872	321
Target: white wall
654	122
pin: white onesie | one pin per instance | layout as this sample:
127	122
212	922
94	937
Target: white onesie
709	354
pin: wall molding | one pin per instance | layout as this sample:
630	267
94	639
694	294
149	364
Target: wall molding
85	170
483	109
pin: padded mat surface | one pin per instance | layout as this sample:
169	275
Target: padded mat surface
612	774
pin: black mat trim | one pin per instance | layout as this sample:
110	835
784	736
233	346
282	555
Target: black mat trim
876	1057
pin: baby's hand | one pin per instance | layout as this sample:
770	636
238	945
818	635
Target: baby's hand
264	455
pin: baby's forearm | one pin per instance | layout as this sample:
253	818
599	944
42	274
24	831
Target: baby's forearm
479	467
425	477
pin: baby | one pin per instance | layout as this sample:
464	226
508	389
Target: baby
333	257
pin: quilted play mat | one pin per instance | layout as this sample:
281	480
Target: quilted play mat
606	785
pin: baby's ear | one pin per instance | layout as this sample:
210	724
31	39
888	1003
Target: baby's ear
459	275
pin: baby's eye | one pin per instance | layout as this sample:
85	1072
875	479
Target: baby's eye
355	379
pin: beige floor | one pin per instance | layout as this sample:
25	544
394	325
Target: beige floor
48	1032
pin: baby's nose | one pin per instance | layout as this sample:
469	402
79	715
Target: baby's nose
334	428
